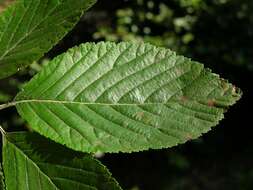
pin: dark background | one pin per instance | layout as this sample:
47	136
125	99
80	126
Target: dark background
218	33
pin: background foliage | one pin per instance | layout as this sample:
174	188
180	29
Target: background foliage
218	33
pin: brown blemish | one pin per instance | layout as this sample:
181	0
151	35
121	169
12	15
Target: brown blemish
211	103
5	4
188	137
183	98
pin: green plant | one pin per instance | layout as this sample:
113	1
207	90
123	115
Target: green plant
97	97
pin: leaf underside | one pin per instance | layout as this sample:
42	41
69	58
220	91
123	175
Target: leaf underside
124	97
32	162
30	28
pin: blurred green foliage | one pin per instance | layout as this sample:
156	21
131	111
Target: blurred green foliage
196	28
154	22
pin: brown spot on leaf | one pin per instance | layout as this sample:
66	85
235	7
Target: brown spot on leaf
183	98
5	4
188	137
211	103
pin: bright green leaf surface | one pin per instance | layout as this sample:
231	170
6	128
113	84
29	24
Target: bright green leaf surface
29	28
124	97
32	162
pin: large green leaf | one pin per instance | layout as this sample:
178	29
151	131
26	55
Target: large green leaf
29	28
124	97
32	162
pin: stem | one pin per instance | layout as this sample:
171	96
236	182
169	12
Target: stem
2	131
7	105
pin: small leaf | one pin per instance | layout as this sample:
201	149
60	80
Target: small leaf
32	162
28	29
124	97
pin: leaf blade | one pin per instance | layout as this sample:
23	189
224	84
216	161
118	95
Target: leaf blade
32	162
124	97
31	28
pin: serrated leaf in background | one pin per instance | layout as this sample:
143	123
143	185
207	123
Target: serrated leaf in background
32	162
28	29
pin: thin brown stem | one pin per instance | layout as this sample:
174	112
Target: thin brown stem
2	131
7	105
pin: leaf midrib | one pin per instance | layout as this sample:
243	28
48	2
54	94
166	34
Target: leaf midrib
3	106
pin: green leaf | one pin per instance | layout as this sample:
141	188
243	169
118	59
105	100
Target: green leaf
124	97
28	29
32	162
